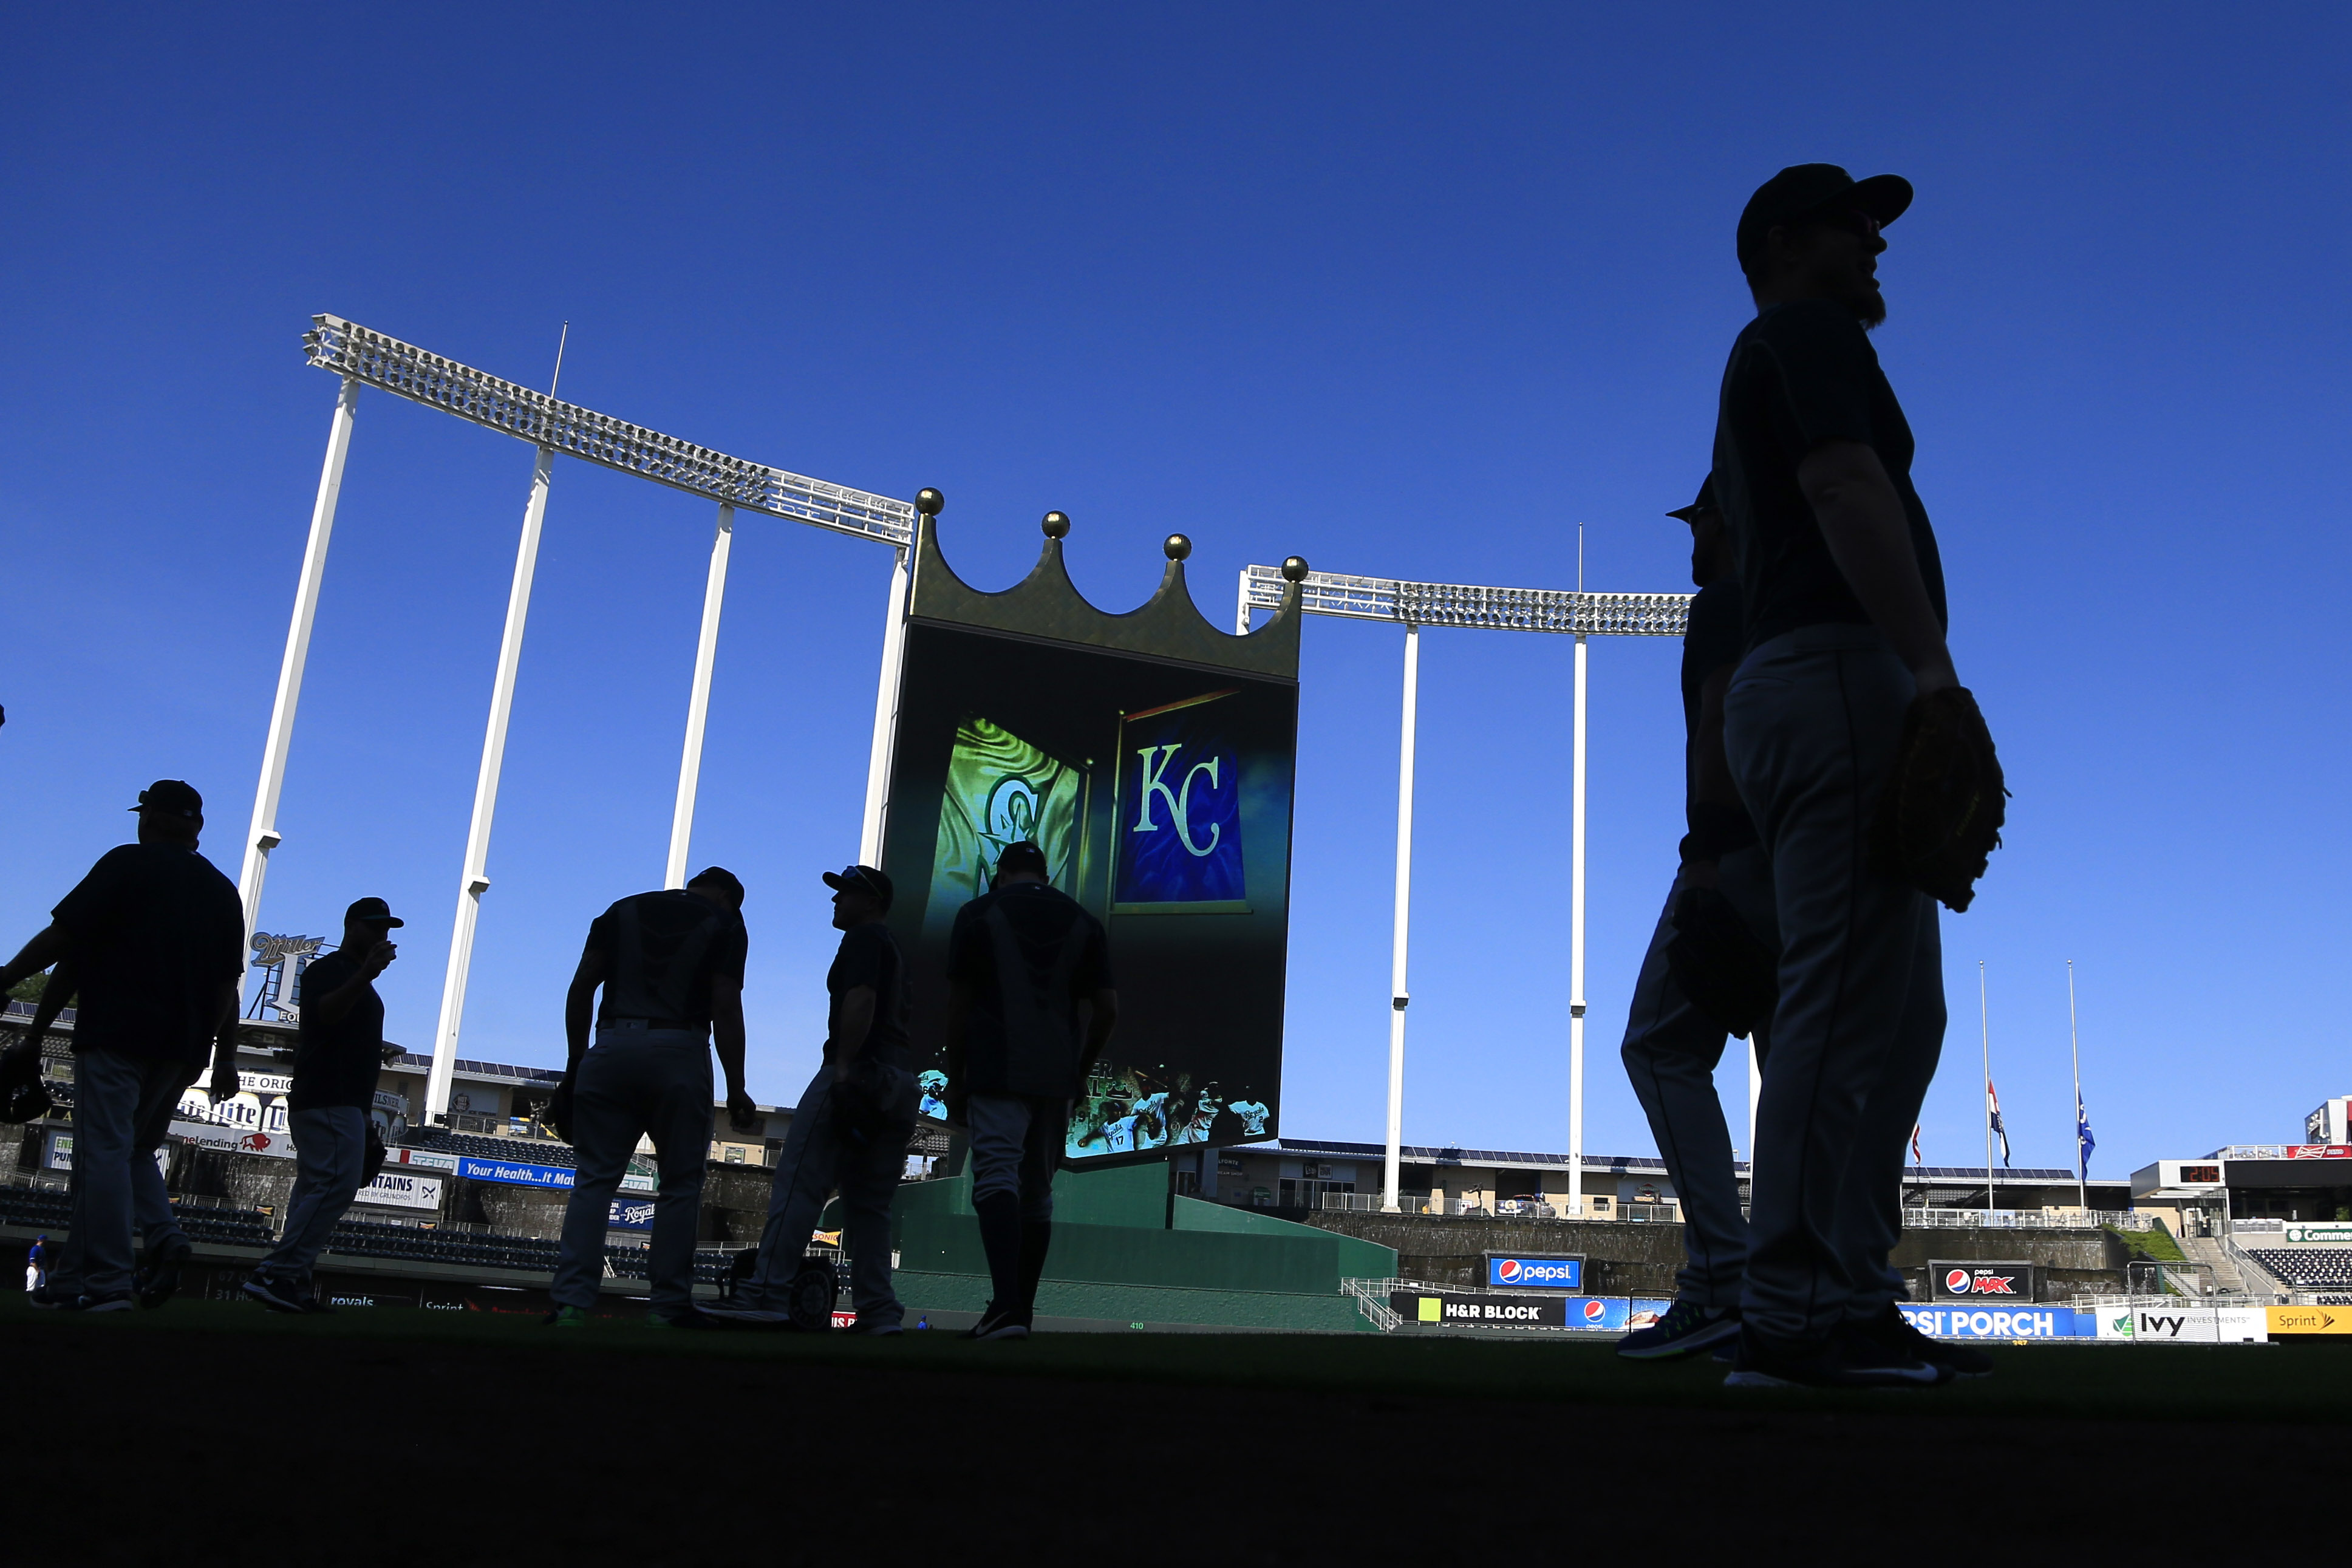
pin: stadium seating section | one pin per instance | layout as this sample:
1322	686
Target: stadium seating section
533	1151
2307	1268
45	1208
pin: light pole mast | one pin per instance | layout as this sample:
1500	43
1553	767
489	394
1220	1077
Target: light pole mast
1398	994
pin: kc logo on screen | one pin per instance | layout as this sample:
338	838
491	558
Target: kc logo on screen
1180	844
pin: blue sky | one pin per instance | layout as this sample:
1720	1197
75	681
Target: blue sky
1411	290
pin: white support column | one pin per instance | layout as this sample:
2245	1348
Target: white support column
1398	996
475	880
1576	957
698	702
1755	1099
263	836
886	716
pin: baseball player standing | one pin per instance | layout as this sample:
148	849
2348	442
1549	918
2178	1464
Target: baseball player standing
154	936
1030	1007
671	967
1672	1042
850	1130
1845	625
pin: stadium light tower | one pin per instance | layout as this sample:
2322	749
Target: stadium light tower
1569	611
365	358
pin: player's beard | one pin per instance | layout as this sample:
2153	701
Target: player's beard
1861	296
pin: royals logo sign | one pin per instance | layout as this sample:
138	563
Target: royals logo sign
1180	830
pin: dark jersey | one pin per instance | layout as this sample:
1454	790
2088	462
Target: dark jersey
662	951
337	1063
1028	953
1802	373
868	955
156	932
1714	637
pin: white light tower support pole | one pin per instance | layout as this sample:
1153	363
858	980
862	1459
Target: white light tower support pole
698	702
1569	611
1398	994
886	716
263	836
1984	1020
2074	1049
1576	957
474	879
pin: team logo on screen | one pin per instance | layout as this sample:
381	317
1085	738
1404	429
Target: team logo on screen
1179	841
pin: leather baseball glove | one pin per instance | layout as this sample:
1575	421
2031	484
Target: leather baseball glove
1941	817
1727	975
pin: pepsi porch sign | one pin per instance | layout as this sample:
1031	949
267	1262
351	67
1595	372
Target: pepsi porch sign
1535	1271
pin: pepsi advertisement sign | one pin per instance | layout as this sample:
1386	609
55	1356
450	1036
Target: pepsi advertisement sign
1534	1271
1992	1283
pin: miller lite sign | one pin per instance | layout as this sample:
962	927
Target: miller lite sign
1951	1281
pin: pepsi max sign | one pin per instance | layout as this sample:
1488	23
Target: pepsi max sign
1988	1282
1534	1271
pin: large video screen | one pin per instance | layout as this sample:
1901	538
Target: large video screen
1161	794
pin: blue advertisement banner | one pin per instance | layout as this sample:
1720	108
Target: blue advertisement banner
1179	806
630	1214
513	1172
2003	1322
1522	1272
1606	1313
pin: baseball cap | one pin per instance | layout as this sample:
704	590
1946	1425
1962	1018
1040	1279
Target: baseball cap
175	797
865	877
1803	189
375	911
1706	502
718	877
1022	855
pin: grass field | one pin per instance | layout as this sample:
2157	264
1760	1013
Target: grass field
621	1441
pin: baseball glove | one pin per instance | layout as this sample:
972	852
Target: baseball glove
1940	820
23	1097
1727	975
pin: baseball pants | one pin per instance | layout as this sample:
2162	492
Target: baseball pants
816	1161
1811	727
1671	1051
122	1108
636	1083
330	1153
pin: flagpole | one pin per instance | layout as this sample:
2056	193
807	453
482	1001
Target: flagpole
1984	1018
2074	1045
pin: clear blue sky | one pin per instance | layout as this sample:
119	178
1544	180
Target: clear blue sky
1410	290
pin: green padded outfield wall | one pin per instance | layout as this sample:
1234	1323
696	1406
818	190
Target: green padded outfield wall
1126	1250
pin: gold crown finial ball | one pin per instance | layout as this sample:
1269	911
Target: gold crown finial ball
1176	546
929	502
1294	569
1056	525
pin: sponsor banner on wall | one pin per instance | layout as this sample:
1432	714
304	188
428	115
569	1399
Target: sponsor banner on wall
2319	1151
1535	1271
513	1172
2337	1234
423	1159
242	1140
402	1189
1481	1311
2185	1324
2309	1319
1987	1322
524	1173
1964	1279
630	1214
